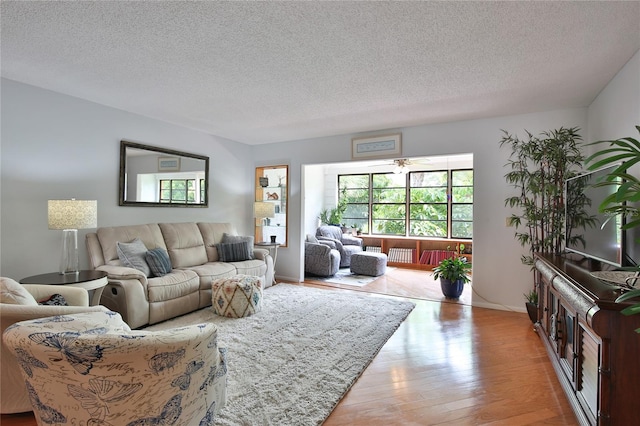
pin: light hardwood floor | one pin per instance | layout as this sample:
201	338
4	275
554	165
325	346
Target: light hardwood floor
447	364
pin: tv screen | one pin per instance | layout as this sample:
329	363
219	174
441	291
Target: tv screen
602	239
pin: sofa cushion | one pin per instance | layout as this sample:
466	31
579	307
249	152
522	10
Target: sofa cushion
158	261
212	234
184	244
234	252
229	238
176	284
132	255
211	271
14	293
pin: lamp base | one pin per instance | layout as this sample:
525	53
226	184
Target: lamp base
69	258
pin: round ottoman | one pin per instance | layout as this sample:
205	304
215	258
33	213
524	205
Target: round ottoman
368	263
236	297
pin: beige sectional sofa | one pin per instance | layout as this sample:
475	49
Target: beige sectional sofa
191	247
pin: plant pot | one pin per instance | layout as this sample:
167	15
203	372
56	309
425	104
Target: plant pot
451	289
532	310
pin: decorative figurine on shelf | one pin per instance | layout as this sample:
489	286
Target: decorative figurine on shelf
272	196
264	181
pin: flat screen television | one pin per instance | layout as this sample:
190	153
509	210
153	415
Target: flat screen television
604	240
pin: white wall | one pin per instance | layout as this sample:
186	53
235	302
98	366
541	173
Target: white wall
56	146
616	111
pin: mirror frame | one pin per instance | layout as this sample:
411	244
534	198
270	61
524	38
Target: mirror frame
123	167
260	196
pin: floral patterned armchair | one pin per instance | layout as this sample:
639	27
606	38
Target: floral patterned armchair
92	369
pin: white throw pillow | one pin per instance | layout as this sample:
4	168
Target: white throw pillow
14	293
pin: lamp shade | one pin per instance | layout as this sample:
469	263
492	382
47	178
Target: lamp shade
73	214
263	209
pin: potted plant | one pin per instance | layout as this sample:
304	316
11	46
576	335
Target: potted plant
538	168
453	274
532	305
334	216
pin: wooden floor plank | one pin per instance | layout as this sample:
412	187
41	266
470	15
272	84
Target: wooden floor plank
447	364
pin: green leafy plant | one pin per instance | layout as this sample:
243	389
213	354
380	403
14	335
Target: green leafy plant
334	216
532	297
453	269
623	201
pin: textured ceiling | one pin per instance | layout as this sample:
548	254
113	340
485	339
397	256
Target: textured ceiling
261	72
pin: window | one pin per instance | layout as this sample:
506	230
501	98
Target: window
177	191
429	208
388	204
439	203
461	203
356	192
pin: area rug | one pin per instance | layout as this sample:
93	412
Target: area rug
291	363
345	277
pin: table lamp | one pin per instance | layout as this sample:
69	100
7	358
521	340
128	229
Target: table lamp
263	210
69	216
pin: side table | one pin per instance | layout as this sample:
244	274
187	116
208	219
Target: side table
89	280
274	247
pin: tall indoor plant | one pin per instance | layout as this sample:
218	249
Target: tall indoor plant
626	153
538	168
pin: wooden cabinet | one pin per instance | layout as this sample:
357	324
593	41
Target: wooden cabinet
593	347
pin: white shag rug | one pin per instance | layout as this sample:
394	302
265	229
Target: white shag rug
291	363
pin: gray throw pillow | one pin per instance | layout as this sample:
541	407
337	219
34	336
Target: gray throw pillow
133	254
233	252
158	261
228	238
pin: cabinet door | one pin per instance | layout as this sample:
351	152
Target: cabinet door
567	324
588	378
553	332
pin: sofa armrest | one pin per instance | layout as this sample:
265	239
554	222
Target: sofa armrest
123	273
259	253
74	296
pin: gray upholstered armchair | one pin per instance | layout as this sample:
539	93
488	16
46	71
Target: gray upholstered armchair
320	259
345	244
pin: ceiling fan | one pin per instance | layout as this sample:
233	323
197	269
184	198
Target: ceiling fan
402	164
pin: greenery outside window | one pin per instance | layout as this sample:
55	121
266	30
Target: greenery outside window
429	208
461	203
356	190
388	204
179	191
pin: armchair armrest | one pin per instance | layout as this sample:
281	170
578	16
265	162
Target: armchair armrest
350	240
337	243
311	249
74	296
329	243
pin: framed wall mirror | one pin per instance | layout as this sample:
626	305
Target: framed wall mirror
271	204
159	177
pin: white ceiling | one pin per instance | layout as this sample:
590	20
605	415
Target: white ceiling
261	72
